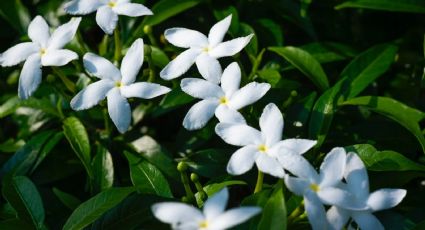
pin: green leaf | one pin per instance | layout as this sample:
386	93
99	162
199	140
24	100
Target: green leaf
146	177
273	28
9	106
270	75
103	169
47	148
397	111
95	207
409	6
22	194
274	212
159	58
68	200
12	104
77	137
304	62
16	14
172	100
209	162
384	160
325	52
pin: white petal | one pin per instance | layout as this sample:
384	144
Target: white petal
38	31
199	115
132	9
91	95
144	90
296	164
185	38
209	68
227	115
179	65
271	124
58	57
296	185
132	62
30	76
385	198
218	31
337	217
18	53
356	176
367	221
231	47
333	166
316	213
173	212
119	110
216	204
248	95
82	6
64	34
238	134
231	79
200	88
100	67
299	146
269	165
106	19
234	217
242	160
340	198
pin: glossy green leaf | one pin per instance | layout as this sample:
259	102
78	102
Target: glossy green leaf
304	62
209	162
92	209
67	199
409	6
325	52
47	148
22	194
274	212
103	169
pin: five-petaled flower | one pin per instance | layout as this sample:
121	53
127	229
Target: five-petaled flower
266	147
358	184
116	85
222	101
44	50
214	217
107	11
203	50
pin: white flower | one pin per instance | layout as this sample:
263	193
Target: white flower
202	50
264	147
358	184
44	50
224	101
116	85
186	217
323	188
107	11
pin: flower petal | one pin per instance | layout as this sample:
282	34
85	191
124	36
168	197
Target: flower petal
82	6
356	176
367	221
91	95
231	79
217	32
132	62
242	160
132	9
296	164
30	76
38	31
200	88
333	166
144	90
119	110
316	213
209	68
271	124
234	217
385	198
101	67
58	57
231	47
248	95
216	204
199	115
185	38
106	19
337	217
299	146
18	53
179	65
174	212
269	165
238	134
296	185
227	115
64	34
340	198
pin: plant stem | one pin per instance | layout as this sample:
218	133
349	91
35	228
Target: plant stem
296	213
117	40
107	122
259	185
81	42
255	66
68	83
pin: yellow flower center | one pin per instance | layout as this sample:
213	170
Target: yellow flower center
262	148
206	49
203	224
111	4
223	100
118	84
314	187
43	51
